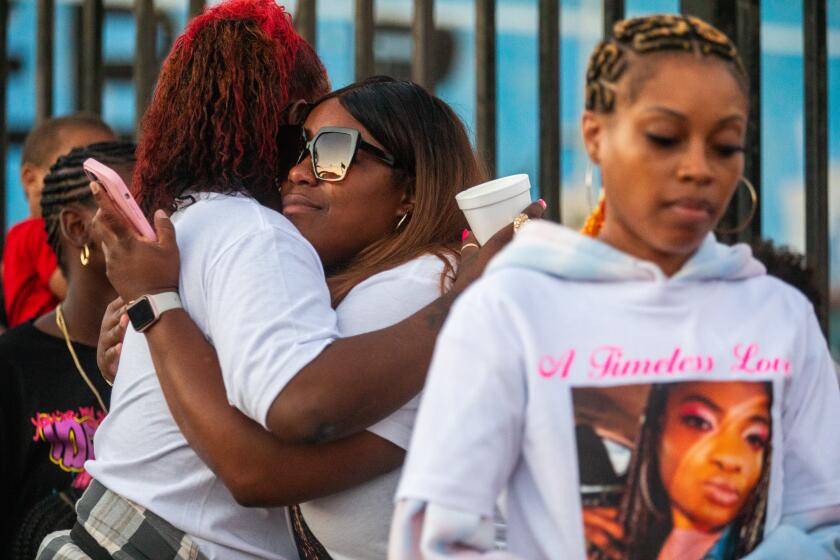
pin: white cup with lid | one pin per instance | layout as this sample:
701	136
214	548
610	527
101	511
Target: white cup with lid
491	206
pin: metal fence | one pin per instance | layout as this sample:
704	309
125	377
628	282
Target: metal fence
739	19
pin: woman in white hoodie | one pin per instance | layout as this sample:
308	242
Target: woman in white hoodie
542	373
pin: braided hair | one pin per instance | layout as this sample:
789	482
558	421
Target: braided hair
67	183
636	37
645	507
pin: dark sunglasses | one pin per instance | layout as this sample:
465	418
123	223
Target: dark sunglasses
332	150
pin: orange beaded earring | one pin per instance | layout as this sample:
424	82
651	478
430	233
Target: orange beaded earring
595	220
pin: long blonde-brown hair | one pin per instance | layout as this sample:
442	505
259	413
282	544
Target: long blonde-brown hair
434	161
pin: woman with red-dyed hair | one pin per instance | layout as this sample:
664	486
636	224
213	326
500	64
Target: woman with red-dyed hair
211	149
219	107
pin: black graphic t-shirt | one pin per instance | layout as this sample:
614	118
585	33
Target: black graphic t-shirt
49	416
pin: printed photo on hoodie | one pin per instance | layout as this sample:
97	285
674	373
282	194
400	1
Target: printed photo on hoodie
675	470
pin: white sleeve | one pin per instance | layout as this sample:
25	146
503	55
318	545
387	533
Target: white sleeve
469	428
384	300
810	420
431	528
268	315
390	296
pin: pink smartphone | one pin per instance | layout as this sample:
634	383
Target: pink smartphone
122	199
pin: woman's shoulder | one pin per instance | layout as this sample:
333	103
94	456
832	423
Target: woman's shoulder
514	282
236	209
390	296
24	348
425	266
222	220
775	292
423	269
24	337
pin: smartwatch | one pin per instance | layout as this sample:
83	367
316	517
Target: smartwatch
145	311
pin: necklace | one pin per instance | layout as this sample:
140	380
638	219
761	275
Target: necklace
62	326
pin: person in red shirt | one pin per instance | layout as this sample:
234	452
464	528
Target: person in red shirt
32	282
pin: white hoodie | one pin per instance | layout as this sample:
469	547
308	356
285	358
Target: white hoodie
563	332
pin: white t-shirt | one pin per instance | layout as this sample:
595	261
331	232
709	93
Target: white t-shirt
256	289
539	386
354	524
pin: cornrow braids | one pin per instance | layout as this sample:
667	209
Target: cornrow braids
67	183
658	33
640	36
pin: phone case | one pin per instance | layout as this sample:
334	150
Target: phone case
116	189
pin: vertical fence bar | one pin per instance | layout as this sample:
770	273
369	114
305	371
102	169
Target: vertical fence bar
422	29
613	11
305	19
91	56
145	64
44	60
549	101
4	74
704	9
816	145
485	82
748	38
195	8
365	28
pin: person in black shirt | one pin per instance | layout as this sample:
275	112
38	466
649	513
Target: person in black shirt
53	396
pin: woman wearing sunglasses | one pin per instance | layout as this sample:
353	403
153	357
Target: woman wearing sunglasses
373	190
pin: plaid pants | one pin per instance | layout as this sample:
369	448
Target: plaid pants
111	527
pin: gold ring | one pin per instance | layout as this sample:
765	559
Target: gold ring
519	220
470	245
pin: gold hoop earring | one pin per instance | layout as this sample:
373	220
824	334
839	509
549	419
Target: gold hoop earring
404	216
753	209
84	256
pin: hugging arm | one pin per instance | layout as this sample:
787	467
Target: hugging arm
351	384
345	389
257	468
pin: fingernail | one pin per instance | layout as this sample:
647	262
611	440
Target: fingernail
94	187
542	203
465	234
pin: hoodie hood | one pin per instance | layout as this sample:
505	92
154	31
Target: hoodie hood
557	250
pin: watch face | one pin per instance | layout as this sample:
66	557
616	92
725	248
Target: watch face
141	314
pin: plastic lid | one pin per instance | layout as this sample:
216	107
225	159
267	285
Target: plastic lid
493	191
